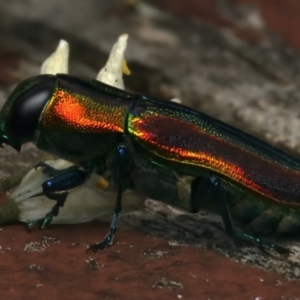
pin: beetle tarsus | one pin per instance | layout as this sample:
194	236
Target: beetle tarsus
43	222
46	221
108	240
265	246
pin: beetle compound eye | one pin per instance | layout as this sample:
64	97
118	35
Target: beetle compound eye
23	117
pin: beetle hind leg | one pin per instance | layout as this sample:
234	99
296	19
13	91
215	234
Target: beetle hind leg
223	199
56	189
221	194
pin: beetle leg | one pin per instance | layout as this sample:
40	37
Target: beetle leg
223	201
204	189
121	175
56	189
51	171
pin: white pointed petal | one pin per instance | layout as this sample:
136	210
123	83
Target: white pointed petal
111	73
176	100
58	61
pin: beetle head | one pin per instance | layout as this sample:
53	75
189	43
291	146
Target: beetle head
20	115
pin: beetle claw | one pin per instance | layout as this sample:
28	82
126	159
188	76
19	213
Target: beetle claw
43	222
98	247
105	243
33	223
47	220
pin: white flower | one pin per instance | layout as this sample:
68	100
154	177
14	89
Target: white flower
85	203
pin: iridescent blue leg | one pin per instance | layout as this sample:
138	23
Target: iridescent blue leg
56	189
121	175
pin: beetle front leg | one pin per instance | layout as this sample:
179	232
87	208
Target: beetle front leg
121	175
223	200
56	189
51	171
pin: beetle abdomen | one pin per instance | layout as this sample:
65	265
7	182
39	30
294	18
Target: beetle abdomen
264	216
194	142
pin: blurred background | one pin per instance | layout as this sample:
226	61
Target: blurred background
236	60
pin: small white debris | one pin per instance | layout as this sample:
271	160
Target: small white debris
278	282
93	264
164	283
176	100
35	247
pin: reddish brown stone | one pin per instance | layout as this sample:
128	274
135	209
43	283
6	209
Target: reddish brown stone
249	34
9	63
279	16
207	10
135	267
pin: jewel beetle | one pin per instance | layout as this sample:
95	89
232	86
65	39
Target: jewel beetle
149	145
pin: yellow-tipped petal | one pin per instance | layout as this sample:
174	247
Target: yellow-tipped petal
125	69
111	73
102	184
